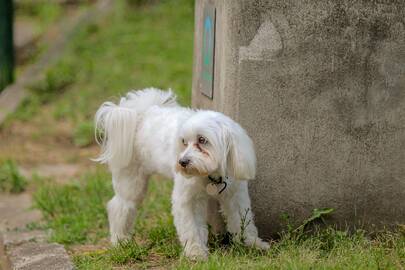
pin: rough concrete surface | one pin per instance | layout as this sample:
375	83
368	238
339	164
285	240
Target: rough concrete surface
28	249
39	256
320	87
14	238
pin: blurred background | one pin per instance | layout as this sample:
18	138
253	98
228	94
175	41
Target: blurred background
68	57
130	44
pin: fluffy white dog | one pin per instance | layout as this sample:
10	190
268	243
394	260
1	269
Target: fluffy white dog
205	152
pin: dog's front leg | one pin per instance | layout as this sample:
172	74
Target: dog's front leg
237	211
190	214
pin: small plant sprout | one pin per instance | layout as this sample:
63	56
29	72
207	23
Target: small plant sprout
317	214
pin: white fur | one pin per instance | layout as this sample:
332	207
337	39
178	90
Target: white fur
148	133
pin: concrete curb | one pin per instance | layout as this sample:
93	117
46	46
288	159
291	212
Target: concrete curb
29	250
15	93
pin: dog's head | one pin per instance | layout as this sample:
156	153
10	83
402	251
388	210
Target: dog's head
212	143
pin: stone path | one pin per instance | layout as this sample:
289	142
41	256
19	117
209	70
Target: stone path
15	214
30	251
21	248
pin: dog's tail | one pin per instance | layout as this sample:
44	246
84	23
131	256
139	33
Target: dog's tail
115	132
116	125
142	100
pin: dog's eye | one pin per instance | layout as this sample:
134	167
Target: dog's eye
202	140
183	142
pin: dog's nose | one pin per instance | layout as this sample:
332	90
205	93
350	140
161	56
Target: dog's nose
184	162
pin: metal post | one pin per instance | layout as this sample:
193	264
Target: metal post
6	43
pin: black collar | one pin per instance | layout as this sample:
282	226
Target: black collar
215	180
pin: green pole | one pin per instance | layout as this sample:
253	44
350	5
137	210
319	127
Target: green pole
6	43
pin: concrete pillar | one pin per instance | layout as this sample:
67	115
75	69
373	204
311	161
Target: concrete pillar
320	87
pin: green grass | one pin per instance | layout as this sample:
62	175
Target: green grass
84	134
42	16
137	46
76	214
55	82
44	11
11	179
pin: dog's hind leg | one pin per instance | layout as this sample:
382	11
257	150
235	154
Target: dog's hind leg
238	214
130	186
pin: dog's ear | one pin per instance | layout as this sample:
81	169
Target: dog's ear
241	157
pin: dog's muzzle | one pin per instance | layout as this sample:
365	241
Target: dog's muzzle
184	162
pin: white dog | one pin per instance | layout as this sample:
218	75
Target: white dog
205	152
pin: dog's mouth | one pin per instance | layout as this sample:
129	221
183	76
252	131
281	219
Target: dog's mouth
190	170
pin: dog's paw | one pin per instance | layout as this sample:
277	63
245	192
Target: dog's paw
258	243
196	253
263	245
117	239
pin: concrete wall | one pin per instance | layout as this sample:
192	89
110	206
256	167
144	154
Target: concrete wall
320	87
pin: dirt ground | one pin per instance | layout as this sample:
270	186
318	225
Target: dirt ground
45	147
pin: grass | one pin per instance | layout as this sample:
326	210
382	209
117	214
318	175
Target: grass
76	211
42	92
45	12
141	45
84	134
76	214
11	179
41	16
